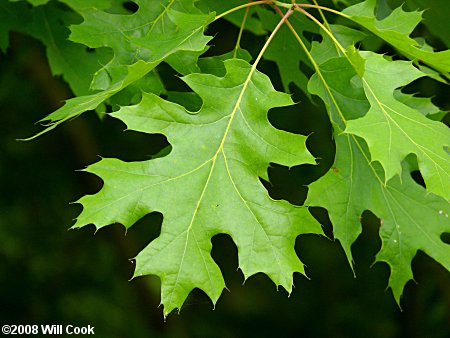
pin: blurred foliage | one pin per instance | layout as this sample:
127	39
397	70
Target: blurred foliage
49	275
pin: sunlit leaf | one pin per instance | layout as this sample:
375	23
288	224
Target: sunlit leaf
211	177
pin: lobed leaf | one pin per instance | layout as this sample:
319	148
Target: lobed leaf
140	43
394	129
396	29
436	14
411	218
49	24
211	176
207	181
336	81
157	28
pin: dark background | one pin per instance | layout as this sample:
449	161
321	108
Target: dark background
49	275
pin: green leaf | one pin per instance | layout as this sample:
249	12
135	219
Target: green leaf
421	104
49	24
78	105
207	185
33	2
132	94
436	14
157	29
396	29
411	218
12	17
326	49
71	60
394	130
215	64
139	46
336	81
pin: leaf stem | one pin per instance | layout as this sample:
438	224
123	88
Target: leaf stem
283	4
324	19
282	21
319	73
327	88
325	29
261	2
315	65
323	8
241	30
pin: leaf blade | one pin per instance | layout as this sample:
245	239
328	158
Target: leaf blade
393	129
395	29
211	175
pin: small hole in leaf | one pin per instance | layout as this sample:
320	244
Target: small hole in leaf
225	254
421	34
445	237
287	184
108	109
90	50
374	43
130	6
270	68
171	79
189	100
417	177
368	242
427	87
321	215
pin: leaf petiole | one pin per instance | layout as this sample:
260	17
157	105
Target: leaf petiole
241	30
282	21
314	63
320	8
261	2
326	30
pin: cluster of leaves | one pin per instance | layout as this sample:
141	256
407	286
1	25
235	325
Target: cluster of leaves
208	181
